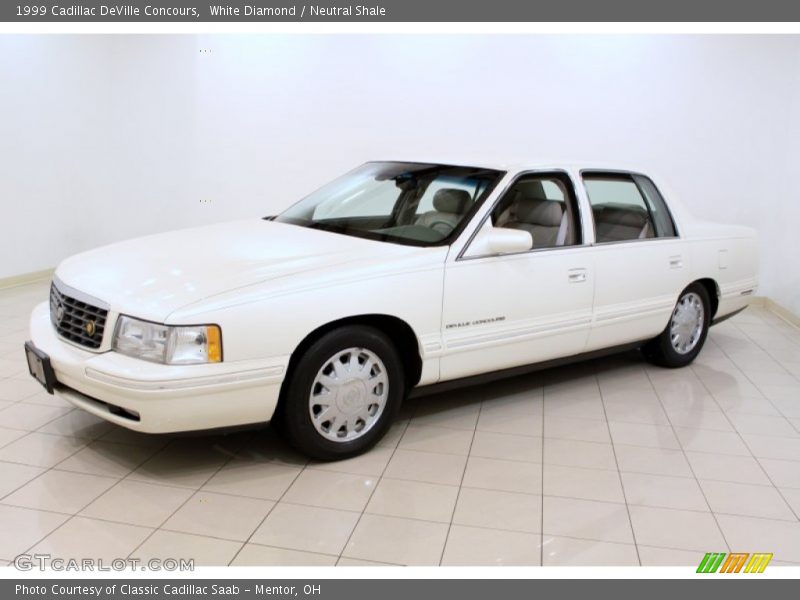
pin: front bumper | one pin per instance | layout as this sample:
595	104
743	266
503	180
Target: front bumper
155	398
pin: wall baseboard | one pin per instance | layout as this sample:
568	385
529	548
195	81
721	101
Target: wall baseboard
783	312
25	278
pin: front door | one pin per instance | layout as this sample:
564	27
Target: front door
508	310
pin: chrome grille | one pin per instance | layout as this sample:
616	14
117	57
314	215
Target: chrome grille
76	320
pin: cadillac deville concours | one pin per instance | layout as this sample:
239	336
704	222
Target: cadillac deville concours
394	278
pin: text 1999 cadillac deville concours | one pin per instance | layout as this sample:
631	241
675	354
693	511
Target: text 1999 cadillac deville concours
398	275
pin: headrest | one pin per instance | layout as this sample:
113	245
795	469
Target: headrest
547	213
614	215
451	200
531	189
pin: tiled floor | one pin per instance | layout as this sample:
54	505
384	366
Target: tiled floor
610	462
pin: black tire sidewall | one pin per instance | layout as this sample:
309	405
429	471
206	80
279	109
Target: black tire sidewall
298	426
661	351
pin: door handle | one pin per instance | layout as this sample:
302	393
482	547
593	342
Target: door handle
675	262
576	275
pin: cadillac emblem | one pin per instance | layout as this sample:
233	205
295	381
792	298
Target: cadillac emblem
90	327
59	313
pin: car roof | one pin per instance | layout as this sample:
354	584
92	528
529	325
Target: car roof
517	165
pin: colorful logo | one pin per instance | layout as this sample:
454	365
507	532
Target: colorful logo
736	562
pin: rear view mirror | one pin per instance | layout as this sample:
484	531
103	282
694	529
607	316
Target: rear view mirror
491	241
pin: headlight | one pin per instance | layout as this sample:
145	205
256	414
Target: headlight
172	345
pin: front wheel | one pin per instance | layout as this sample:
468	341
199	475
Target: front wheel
343	393
683	338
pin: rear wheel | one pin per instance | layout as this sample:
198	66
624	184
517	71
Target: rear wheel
343	393
683	338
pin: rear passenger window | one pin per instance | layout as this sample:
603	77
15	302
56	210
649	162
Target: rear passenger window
626	207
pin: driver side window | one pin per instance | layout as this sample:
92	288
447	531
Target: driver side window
543	205
445	202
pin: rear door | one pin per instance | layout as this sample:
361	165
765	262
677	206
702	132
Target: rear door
640	262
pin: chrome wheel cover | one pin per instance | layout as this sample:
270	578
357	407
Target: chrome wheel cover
348	395
686	325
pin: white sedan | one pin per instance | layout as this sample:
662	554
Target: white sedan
398	275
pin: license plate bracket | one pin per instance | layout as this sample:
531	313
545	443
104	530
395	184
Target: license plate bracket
39	367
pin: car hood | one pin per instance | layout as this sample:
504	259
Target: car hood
151	277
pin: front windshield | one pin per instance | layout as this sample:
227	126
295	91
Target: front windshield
407	203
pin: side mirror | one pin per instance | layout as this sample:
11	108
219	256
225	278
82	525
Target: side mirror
499	240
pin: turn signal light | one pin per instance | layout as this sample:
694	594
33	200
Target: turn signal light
214	343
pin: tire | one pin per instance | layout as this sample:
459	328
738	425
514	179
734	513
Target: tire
359	406
679	344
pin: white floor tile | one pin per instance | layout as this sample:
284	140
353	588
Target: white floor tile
220	516
577	482
255	555
14	476
205	551
764	446
331	490
571	453
24	527
745	499
506	446
723	467
29	417
397	541
480	547
306	528
138	503
60	491
587	519
436	439
582	430
658	461
663	491
413	500
257	479
679	529
89	538
562	551
706	440
495	509
644	434
430	467
783	473
669	557
779	537
503	475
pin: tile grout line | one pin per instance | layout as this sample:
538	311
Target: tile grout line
418	519
75	514
51	467
619	471
185	502
757	386
460	485
744	441
377	483
541	495
506	459
269	512
683	451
